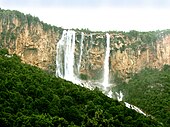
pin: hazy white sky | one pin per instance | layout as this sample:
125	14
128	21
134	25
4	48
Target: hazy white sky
124	15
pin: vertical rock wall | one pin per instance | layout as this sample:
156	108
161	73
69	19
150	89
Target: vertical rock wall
35	42
29	38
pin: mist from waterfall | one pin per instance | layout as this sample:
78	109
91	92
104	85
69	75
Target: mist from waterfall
65	56
106	63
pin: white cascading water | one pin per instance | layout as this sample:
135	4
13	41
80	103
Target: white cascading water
106	63
120	98
81	51
91	38
65	56
69	56
59	56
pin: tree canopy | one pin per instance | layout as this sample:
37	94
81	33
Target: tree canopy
150	90
32	97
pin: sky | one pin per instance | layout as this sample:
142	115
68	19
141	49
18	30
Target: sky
97	15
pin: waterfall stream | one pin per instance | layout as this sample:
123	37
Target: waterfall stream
106	63
65	56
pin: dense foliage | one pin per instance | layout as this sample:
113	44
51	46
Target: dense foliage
31	97
150	90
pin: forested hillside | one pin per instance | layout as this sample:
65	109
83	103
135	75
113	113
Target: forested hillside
32	97
150	91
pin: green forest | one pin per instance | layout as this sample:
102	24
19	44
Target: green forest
30	97
150	91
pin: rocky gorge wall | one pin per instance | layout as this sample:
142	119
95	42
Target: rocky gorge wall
35	42
29	38
127	55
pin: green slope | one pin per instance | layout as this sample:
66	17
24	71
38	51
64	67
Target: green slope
150	91
30	97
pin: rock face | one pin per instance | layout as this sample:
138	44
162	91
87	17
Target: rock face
131	60
36	49
126	55
35	42
32	40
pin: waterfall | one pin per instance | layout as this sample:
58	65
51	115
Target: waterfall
65	60
59	58
65	56
106	63
81	50
91	38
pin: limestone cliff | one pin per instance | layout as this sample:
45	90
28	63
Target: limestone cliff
133	59
28	37
35	42
129	54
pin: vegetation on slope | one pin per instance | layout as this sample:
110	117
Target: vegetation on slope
31	97
150	91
